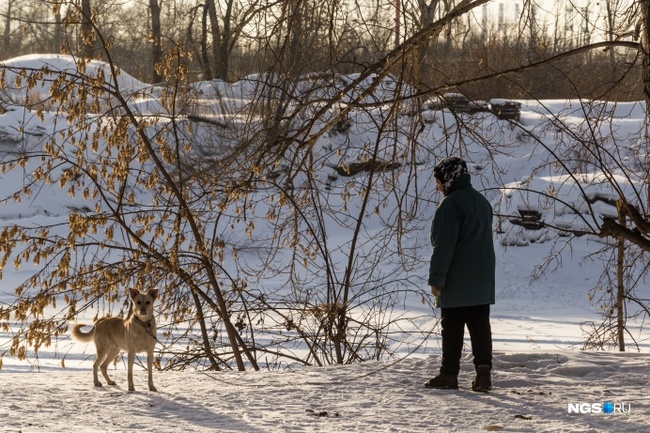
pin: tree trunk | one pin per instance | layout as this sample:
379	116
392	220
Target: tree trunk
157	40
58	32
7	35
207	67
645	50
645	53
87	43
620	292
398	18
215	32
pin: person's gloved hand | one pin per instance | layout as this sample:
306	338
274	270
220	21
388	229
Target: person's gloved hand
435	291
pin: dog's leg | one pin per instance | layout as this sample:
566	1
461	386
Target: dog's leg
131	359
112	352
96	364
150	370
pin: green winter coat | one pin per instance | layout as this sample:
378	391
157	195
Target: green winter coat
463	263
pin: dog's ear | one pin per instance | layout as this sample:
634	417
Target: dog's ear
153	293
134	293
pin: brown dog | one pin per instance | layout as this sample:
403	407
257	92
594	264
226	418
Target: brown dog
133	335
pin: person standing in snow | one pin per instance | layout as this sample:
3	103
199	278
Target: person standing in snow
462	274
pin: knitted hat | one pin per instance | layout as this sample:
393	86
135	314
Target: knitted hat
448	170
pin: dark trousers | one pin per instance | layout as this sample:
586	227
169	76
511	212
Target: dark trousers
477	319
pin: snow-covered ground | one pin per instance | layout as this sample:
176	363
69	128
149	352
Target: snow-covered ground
543	380
534	391
540	373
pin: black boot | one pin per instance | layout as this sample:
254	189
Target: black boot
443	381
483	381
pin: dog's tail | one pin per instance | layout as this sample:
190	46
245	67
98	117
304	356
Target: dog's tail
79	335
